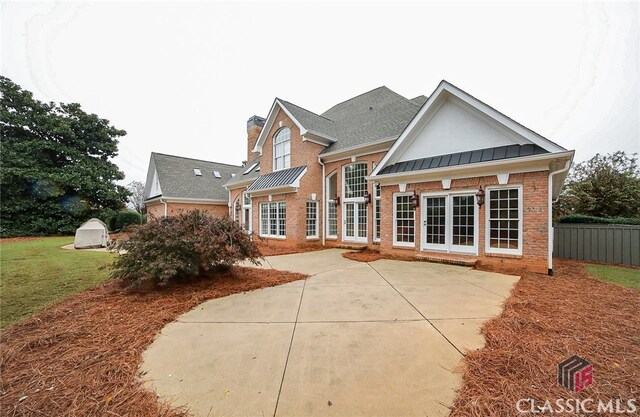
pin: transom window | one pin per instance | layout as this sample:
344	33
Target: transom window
505	222
404	220
355	183
312	219
282	149
273	219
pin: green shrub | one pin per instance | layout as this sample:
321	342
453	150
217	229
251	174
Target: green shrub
124	218
173	249
581	218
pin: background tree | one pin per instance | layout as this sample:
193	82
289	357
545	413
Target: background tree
604	186
55	168
136	199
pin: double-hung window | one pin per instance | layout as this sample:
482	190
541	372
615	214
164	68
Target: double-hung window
404	223
504	221
282	149
273	219
312	219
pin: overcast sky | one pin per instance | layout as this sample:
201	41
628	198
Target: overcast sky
183	77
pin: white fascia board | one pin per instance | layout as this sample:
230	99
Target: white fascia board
360	150
315	137
269	123
193	200
240	184
282	189
435	99
512	166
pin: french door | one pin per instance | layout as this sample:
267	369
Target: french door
450	223
355	222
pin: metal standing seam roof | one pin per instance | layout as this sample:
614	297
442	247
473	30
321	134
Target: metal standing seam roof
178	180
277	179
465	158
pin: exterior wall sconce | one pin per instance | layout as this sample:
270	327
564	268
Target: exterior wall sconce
415	201
480	197
367	197
335	201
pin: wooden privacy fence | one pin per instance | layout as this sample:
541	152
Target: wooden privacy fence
611	243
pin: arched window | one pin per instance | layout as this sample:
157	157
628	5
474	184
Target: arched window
282	149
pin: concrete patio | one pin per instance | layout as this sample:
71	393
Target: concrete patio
354	339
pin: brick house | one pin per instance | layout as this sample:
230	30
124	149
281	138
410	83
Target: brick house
444	177
175	184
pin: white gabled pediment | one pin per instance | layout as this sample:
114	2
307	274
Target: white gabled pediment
455	128
453	121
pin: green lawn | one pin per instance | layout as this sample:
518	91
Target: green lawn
627	277
36	273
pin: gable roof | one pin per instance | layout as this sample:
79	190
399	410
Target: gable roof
379	114
443	92
245	175
178	180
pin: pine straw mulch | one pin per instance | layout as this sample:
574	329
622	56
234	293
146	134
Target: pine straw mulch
80	357
546	320
366	255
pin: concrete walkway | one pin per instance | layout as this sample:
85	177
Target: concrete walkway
354	339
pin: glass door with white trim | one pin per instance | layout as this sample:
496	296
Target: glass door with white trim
355	222
449	223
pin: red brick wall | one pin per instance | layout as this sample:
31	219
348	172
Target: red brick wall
337	168
534	238
157	209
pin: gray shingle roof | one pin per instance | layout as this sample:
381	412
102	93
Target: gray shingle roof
311	121
178	180
375	115
463	158
241	177
369	117
277	179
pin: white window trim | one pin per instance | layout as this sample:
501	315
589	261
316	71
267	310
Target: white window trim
274	150
316	235
447	247
268	218
487	212
377	201
395	224
328	178
359	200
247	206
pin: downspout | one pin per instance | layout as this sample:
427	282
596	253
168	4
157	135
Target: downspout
165	207
567	165
324	184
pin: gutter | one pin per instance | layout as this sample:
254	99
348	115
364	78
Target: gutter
566	167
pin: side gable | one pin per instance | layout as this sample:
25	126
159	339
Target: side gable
188	179
313	127
452	121
152	185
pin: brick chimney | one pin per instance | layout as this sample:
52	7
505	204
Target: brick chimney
254	127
